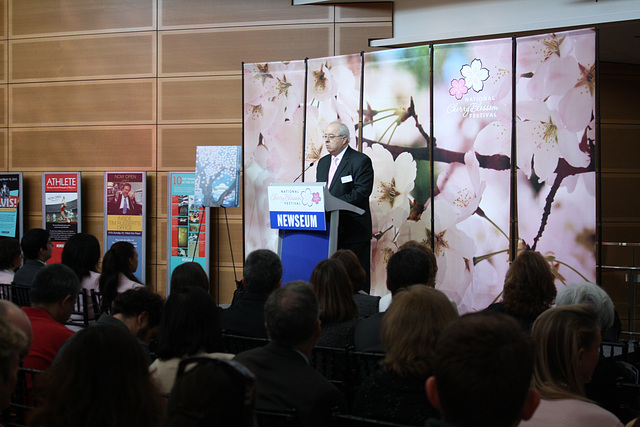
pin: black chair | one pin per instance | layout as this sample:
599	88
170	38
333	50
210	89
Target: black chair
347	420
81	316
235	344
334	364
5	291
287	418
20	295
22	400
365	364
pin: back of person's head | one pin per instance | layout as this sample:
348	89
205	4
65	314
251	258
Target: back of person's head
333	288
410	328
34	240
528	285
189	274
12	341
356	273
559	334
591	294
211	392
433	263
81	253
262	272
291	314
9	253
482	370
190	324
18	318
407	267
116	261
133	302
52	283
101	379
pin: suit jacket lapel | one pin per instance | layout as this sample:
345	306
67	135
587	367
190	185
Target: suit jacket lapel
341	166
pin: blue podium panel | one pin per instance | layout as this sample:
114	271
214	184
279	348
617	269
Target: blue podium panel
300	251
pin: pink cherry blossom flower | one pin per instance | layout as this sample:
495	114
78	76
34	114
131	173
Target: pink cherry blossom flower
458	88
316	198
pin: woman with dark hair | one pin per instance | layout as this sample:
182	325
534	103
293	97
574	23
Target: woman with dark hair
190	326
528	288
10	259
118	266
115	392
367	304
566	342
189	274
81	253
410	328
338	311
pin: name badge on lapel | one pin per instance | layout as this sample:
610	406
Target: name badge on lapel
346	179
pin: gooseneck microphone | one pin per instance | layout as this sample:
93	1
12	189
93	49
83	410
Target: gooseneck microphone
306	169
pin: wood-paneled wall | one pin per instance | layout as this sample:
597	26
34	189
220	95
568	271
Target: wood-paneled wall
139	84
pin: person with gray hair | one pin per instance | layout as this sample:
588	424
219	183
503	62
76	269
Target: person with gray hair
592	294
19	319
12	342
53	295
284	378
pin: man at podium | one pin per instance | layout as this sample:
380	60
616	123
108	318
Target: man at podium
349	177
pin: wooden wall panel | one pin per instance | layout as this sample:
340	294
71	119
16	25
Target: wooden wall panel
619	93
161	194
216	51
4	102
152	195
83	148
161	253
620	147
191	13
177	144
221	241
84	103
223	282
620	195
83	57
93	196
32	199
364	12
4	148
623	231
352	37
46	17
200	100
4	62
3	19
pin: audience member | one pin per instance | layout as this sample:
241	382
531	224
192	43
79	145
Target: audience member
189	274
528	289
592	294
367	304
284	378
211	392
81	253
482	368
10	259
118	266
12	343
338	311
53	294
37	248
566	342
262	275
101	380
190	326
19	319
407	267
410	329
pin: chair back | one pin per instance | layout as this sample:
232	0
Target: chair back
286	418
20	295
347	420
82	314
23	399
365	364
334	364
5	291
235	344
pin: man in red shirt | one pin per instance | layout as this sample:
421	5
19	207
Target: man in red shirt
53	294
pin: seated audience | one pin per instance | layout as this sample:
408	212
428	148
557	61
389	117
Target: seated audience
284	378
10	259
367	304
190	326
211	392
118	266
528	289
53	294
81	253
407	267
189	274
338	311
262	275
12	343
566	342
101	380
37	248
482	366
410	329
19	319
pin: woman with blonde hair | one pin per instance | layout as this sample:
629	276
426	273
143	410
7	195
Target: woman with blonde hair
410	328
566	342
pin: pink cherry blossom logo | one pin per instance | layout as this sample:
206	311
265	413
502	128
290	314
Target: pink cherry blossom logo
458	88
316	198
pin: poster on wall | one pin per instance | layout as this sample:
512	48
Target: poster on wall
188	225
125	210
61	208
11	205
217	179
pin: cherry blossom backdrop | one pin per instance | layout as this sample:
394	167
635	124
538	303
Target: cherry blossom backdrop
441	127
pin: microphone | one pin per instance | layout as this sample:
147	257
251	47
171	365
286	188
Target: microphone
306	169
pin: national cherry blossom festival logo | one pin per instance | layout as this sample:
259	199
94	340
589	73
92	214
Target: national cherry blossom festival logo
473	77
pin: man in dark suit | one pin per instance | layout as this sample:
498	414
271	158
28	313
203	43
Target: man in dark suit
37	248
349	177
284	378
262	275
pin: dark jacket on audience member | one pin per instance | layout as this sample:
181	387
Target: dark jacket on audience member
367	334
245	316
367	304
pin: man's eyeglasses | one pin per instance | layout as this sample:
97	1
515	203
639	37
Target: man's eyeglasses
331	136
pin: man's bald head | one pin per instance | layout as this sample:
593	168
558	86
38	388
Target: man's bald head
18	318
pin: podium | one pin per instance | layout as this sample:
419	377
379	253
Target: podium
305	237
